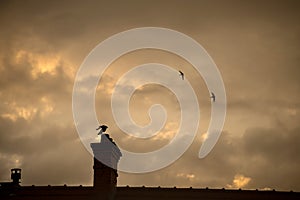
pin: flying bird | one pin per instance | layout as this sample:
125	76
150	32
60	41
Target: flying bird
213	96
181	74
102	129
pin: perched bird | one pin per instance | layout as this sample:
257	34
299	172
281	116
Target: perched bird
213	96
102	129
181	74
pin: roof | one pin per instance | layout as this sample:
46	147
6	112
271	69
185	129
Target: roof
131	193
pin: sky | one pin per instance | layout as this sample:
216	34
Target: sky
255	45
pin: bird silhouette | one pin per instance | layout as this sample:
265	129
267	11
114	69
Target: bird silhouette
102	129
213	96
181	74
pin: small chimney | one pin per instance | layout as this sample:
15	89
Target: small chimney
15	175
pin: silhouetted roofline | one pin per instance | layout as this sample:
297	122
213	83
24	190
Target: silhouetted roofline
205	189
152	188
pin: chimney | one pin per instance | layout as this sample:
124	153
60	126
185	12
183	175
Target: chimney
106	158
15	176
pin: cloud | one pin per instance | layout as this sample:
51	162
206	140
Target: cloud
249	161
186	176
255	46
239	181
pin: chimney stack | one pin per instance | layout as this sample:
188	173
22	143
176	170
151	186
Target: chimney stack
106	158
15	175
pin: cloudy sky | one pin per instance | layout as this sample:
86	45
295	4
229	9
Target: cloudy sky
255	45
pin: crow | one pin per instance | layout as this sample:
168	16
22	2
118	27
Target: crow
102	129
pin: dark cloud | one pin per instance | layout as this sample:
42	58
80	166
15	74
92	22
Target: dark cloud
274	151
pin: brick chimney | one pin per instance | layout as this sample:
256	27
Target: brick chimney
106	158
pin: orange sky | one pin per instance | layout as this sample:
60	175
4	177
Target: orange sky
255	45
